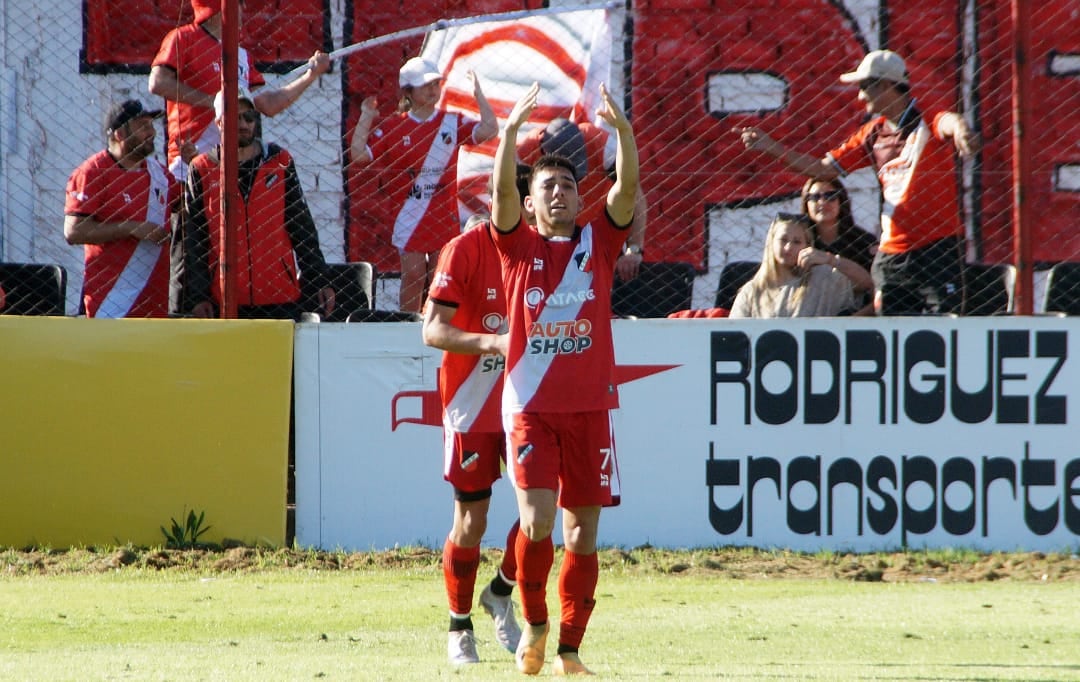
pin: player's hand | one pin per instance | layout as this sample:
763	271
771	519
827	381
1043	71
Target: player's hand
501	344
523	107
610	112
627	266
188	151
967	141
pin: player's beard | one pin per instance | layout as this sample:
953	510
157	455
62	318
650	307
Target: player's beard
245	138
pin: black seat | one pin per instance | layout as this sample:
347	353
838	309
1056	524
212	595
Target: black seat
987	289
659	290
735	274
367	315
353	285
1063	289
33	288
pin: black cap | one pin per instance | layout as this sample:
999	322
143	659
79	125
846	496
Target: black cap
119	114
564	138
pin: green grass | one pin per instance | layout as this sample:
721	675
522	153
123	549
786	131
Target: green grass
389	624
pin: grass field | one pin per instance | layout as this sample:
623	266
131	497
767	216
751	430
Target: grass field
357	617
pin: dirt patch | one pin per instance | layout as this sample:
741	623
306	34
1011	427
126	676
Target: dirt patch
729	562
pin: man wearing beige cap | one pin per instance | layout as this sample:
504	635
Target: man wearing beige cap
920	257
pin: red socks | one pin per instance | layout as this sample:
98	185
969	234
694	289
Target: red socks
459	573
577	587
534	561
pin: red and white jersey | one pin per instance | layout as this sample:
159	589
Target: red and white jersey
917	172
558	298
417	165
128	277
195	55
469	278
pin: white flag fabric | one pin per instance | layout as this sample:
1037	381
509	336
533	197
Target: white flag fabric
569	53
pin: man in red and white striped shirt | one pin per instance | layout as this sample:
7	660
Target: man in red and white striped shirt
118	205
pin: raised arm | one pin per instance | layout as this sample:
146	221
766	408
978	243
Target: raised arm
757	140
273	101
489	125
358	145
622	197
505	200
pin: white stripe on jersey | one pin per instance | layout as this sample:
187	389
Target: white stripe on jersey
469	399
525	377
439	156
136	273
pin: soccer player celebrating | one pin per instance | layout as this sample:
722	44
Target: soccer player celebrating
559	384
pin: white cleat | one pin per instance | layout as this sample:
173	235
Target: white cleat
501	610
461	647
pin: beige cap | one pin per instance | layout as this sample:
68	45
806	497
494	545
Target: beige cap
879	64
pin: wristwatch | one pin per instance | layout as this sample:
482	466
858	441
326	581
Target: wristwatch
633	250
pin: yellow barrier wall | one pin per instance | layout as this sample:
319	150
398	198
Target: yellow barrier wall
110	428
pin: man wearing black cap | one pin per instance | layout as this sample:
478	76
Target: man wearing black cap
585	145
118	205
920	257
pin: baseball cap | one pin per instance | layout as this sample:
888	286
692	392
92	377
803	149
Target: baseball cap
219	101
563	138
129	110
417	72
879	64
204	9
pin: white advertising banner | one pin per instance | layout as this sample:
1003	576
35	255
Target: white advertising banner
818	434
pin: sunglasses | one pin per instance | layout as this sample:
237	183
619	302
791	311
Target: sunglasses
832	195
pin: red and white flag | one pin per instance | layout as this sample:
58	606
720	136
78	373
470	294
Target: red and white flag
568	52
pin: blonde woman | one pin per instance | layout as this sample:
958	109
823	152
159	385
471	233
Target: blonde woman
795	279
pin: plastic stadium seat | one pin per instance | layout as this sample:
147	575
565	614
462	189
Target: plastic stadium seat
987	289
732	277
353	285
1063	289
33	288
659	290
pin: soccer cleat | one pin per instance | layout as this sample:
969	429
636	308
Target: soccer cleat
530	650
570	664
461	647
501	609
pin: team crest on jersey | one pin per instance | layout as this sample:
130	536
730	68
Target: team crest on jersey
469	460
523	452
447	138
584	261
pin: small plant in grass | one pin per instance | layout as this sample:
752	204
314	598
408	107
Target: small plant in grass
186	536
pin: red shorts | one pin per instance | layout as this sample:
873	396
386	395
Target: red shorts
573	453
473	461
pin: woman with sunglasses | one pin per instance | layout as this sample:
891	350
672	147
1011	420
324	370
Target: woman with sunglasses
795	279
829	207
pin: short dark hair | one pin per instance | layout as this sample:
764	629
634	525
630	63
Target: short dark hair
552	161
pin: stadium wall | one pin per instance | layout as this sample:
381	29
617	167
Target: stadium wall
828	434
112	428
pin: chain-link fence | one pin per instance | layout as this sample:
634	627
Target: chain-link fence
731	103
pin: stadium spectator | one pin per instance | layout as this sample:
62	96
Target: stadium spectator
795	279
187	72
465	306
275	232
559	384
118	205
829	207
586	145
415	153
920	257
